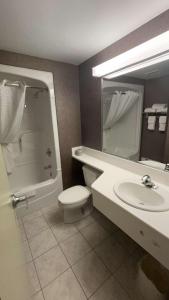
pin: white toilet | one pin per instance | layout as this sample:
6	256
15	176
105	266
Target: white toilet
76	201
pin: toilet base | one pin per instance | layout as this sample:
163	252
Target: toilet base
76	214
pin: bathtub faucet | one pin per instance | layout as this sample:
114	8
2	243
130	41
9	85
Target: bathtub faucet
17	199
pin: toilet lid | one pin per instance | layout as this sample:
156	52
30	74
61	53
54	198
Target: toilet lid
74	194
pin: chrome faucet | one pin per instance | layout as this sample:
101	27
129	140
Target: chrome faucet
166	167
146	180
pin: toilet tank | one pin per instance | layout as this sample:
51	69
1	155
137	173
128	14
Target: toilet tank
90	174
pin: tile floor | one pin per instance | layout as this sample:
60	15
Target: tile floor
91	259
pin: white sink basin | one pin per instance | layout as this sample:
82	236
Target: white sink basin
139	196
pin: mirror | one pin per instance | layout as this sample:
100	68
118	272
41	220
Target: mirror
135	115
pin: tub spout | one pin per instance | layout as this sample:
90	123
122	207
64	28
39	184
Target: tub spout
17	199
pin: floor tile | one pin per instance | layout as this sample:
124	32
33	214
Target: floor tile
110	290
91	273
33	279
84	222
128	275
42	242
22	232
18	220
35	226
53	215
27	252
31	216
63	231
65	287
112	254
104	222
94	234
50	265
125	241
75	247
38	296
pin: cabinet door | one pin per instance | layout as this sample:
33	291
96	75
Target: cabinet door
13	283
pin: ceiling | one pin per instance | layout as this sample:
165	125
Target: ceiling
71	30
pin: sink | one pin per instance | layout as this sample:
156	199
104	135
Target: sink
137	195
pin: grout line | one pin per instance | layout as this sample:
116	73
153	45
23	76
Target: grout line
43	287
51	227
56	278
35	258
123	287
37	276
79	283
73	272
100	286
93	247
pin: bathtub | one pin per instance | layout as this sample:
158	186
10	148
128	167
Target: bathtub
39	195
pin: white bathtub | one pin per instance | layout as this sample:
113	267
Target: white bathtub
45	193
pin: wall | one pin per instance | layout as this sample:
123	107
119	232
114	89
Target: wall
153	142
90	87
66	86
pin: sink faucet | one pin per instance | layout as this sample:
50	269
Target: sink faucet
166	167
146	180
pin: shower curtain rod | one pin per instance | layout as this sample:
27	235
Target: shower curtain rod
27	86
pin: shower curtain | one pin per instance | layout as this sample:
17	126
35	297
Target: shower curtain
120	105
12	101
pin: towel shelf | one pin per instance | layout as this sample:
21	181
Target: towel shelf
157	114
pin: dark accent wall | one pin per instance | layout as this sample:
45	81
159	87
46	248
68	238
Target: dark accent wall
66	84
90	87
153	143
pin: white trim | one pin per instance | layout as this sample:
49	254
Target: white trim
155	49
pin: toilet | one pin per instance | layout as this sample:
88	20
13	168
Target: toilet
76	201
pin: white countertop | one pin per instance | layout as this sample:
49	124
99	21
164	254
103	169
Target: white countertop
112	173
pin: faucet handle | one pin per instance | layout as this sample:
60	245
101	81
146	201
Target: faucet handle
146	179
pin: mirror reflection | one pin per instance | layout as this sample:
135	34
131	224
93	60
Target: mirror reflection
135	115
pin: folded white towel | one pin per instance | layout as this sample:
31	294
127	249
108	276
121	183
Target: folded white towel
149	110
151	122
158	106
162	110
162	123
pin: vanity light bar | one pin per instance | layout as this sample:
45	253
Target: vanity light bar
139	66
146	51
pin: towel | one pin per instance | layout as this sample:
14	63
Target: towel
151	122
149	110
159	106
162	123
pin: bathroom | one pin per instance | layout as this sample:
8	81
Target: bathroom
83	190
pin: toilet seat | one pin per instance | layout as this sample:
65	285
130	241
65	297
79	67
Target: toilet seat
74	196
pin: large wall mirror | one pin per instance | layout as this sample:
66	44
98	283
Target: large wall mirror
135	115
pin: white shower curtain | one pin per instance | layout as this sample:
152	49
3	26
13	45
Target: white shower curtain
120	105
12	101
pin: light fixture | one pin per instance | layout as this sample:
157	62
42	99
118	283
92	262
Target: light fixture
151	52
139	66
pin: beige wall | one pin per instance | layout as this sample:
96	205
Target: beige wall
66	83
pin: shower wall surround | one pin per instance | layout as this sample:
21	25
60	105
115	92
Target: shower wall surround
36	138
90	87
66	86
